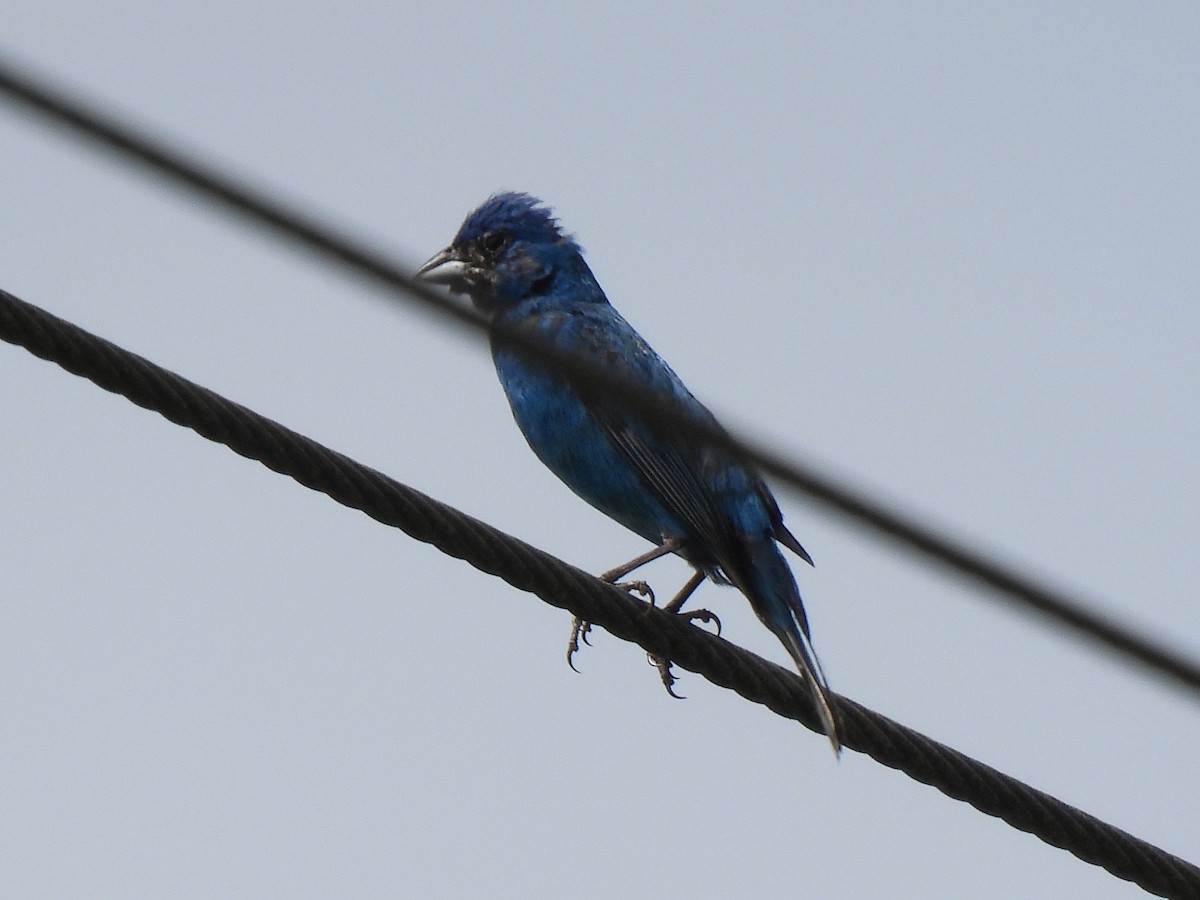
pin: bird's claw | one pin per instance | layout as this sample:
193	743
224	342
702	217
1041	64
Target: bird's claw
637	587
703	615
665	673
664	665
581	629
579	632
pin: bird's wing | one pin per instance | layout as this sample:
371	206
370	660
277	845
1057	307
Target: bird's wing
673	466
782	535
669	476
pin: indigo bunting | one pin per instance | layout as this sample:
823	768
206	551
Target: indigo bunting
682	494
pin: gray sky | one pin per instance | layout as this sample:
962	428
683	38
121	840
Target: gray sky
948	253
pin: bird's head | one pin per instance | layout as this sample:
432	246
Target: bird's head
508	250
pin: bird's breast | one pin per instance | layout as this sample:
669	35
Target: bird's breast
566	438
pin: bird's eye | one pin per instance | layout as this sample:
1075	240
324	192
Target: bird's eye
494	241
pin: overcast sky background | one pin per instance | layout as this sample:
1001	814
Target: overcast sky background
949	253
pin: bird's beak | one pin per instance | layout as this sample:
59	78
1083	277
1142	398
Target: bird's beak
443	268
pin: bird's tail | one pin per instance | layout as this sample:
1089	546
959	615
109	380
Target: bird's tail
776	599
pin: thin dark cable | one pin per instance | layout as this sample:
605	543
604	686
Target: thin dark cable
566	587
1019	590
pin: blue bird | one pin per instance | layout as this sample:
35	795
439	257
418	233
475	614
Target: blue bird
683	495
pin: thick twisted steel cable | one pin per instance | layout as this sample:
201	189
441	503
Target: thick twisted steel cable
561	585
1019	590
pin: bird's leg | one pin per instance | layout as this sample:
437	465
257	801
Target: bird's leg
668	546
580	628
661	663
676	604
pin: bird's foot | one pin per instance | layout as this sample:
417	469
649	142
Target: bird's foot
702	615
580	629
692	615
579	632
665	673
664	665
636	587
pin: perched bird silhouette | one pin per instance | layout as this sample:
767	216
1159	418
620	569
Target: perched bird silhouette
680	493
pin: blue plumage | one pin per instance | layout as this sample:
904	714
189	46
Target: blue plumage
684	496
